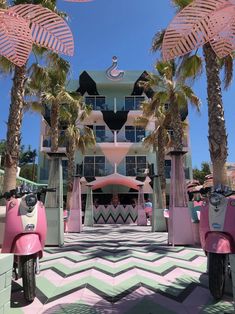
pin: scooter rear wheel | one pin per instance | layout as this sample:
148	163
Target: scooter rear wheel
28	277
217	266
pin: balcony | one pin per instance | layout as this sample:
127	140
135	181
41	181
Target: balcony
103	136
133	102
100	170
46	145
97	103
96	170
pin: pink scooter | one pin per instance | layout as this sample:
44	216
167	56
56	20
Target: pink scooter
25	234
217	235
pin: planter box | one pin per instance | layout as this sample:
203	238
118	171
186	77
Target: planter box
6	265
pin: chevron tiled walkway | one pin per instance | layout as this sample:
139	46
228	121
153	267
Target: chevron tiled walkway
121	269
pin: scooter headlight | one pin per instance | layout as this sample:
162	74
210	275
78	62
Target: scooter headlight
31	200
215	199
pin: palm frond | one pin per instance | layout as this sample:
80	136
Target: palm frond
191	96
157	41
33	106
180	4
64	97
6	66
227	66
48	97
191	67
141	121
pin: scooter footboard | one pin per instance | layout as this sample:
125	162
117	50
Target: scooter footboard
27	244
217	242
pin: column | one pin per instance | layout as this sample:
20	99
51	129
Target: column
158	219
141	220
74	223
54	203
180	225
89	218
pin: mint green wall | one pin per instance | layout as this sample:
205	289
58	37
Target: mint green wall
115	89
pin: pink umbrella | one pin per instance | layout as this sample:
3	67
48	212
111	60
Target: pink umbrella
201	22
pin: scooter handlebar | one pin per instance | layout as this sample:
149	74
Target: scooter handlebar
18	193
6	195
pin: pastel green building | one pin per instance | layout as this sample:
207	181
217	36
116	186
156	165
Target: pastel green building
115	97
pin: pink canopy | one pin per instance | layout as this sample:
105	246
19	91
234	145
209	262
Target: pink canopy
115	178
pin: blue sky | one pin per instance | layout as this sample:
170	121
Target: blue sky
124	28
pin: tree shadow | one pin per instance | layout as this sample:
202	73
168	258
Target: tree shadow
17	296
74	308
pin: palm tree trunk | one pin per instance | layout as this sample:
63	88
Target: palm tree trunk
14	129
217	130
54	127
161	163
176	125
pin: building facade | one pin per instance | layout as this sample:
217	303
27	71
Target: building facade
119	157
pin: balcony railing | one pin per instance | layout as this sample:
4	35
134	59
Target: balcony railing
96	170
104	136
97	103
46	143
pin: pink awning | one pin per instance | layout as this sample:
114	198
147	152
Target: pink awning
115	178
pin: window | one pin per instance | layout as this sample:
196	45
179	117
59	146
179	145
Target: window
130	133
167	169
135	165
65	168
166	107
99	133
140	134
94	166
171	133
133	102
138	101
97	102
134	134
90	101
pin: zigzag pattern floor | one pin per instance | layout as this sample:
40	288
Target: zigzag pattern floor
121	269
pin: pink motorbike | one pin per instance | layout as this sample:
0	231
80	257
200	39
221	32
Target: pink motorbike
25	234
217	235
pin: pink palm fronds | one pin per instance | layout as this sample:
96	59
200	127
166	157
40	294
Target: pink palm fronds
27	24
200	22
15	38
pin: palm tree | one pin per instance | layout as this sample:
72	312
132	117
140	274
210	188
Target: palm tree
170	88
48	84
77	137
158	140
192	65
16	108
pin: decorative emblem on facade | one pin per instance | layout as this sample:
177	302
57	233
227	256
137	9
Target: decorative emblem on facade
112	73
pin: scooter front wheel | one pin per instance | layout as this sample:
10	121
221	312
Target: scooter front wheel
28	277
216	270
